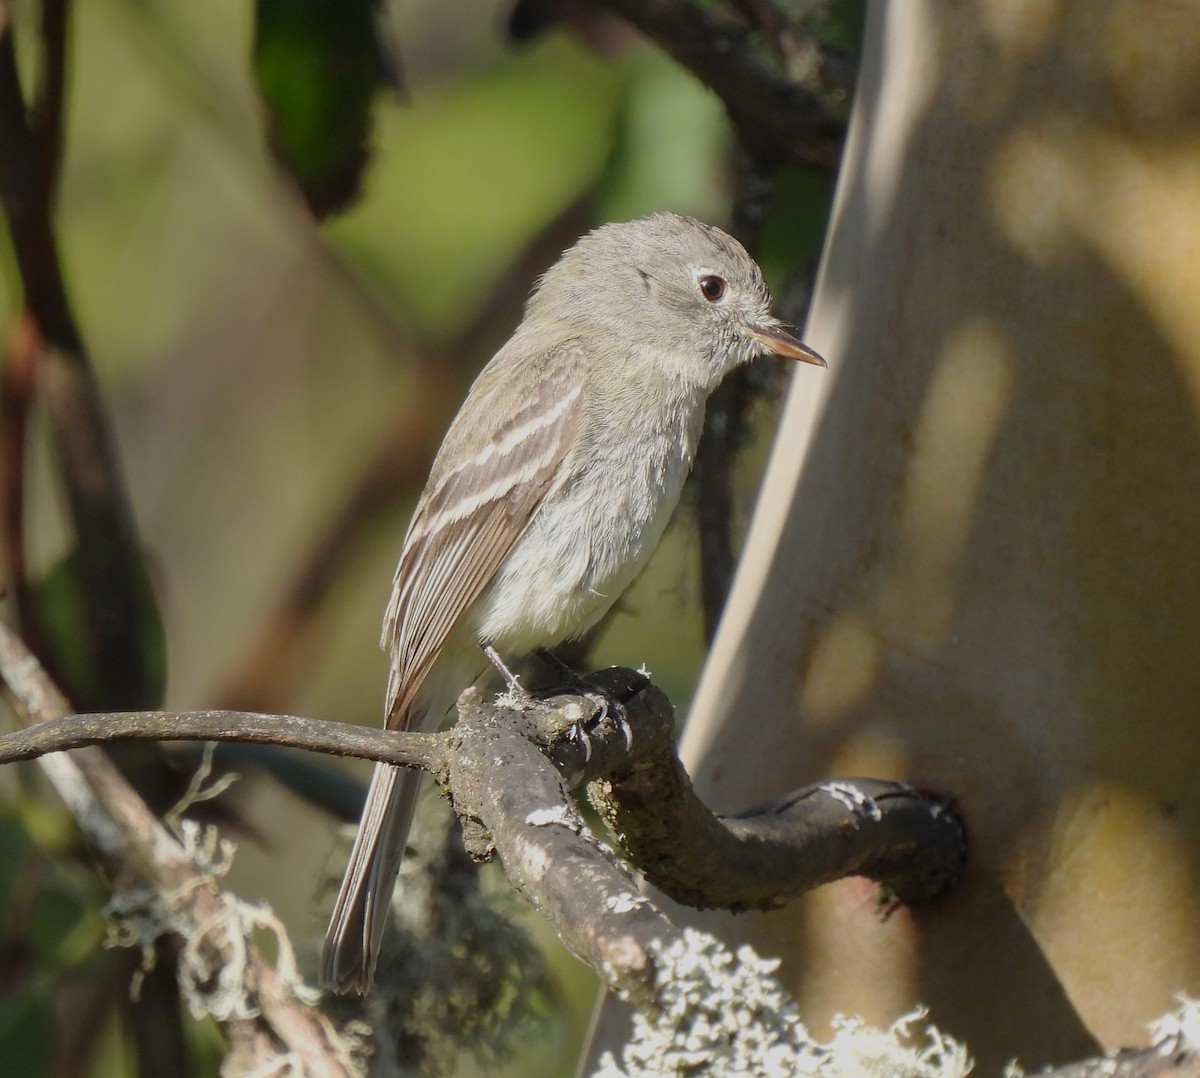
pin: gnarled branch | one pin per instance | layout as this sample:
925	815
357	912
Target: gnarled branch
509	772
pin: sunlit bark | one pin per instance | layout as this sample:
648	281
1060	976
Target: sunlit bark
976	559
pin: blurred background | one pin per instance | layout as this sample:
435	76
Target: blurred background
277	374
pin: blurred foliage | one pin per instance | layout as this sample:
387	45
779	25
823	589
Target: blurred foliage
26	1032
319	67
669	144
838	24
52	929
253	361
67	651
468	174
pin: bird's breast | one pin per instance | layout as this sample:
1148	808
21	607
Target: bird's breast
590	536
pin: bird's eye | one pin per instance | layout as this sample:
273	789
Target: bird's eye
712	288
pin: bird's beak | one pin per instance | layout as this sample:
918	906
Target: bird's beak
783	341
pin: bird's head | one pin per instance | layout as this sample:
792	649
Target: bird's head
671	290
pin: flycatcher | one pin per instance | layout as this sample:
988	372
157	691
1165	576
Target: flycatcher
549	493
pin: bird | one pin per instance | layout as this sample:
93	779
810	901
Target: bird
550	491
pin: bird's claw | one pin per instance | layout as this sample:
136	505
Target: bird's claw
578	732
605	707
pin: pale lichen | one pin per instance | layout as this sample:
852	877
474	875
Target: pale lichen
727	1016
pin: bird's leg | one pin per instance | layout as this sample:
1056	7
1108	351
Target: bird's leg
518	695
511	680
604	705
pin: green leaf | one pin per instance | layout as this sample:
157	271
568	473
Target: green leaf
319	65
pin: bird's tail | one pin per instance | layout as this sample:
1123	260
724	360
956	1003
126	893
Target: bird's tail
361	911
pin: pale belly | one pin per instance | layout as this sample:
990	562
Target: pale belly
583	548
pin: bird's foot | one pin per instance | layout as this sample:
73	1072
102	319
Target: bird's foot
604	706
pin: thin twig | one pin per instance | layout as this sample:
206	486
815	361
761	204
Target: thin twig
245	727
106	544
16	400
725	425
47	120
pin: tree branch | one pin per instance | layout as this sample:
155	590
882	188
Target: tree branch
886	831
16	402
135	843
511	802
106	543
291	731
494	767
777	121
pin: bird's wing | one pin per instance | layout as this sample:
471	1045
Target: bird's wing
482	492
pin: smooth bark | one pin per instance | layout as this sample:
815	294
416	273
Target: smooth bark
973	566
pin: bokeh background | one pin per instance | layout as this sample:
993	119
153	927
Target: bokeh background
276	386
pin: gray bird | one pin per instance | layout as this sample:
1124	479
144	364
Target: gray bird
549	493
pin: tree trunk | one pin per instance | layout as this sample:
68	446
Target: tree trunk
975	563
